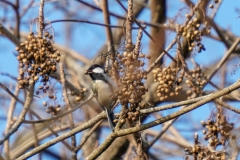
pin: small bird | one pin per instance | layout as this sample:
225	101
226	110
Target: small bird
103	87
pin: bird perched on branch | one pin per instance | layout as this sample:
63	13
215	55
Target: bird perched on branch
103	87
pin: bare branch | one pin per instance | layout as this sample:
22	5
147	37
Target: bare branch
41	18
63	136
88	135
110	45
70	117
9	119
17	124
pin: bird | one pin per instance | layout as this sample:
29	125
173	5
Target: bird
103	87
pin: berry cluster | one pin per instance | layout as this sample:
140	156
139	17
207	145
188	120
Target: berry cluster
37	58
193	33
196	81
131	113
169	82
52	109
166	77
78	98
217	133
217	128
131	88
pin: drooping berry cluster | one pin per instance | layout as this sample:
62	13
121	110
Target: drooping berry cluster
168	82
217	133
195	81
130	87
52	109
78	97
193	32
131	113
37	59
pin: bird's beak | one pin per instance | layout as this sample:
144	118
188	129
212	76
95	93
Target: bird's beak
88	72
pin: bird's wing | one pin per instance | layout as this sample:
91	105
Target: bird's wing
110	82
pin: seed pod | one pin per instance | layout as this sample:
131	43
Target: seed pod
31	81
35	78
187	15
44	103
40	87
50	96
78	98
211	6
122	120
53	68
84	89
25	60
46	34
125	54
148	56
166	90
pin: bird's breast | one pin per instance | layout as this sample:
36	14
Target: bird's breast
103	93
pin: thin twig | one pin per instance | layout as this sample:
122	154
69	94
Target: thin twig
88	124
62	114
223	104
224	59
9	120
88	135
18	19
41	18
9	35
175	39
26	9
28	143
35	114
110	45
163	130
138	44
142	22
36	140
17	124
72	53
144	30
70	117
9	75
9	92
129	23
86	21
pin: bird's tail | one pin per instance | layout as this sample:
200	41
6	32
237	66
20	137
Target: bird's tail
110	116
